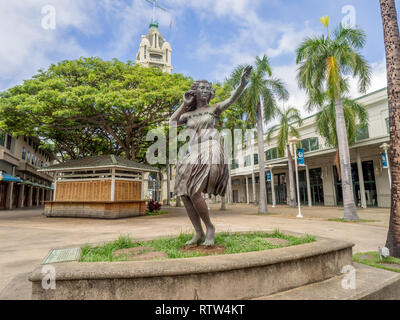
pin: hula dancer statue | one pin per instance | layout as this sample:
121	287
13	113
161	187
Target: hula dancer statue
203	169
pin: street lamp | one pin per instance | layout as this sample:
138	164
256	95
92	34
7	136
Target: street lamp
294	141
385	148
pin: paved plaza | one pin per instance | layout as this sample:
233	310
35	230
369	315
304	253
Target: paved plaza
26	236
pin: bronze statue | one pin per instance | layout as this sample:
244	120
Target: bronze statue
203	169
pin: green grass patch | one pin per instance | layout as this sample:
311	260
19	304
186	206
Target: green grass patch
348	221
375	261
155	213
233	242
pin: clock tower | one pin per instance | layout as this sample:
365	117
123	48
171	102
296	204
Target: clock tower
154	50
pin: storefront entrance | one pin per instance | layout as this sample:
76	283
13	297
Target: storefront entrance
369	184
280	188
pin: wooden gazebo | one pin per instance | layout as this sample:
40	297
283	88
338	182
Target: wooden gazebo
107	187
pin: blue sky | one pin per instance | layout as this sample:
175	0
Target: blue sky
209	37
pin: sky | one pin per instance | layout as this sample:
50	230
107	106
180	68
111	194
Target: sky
209	38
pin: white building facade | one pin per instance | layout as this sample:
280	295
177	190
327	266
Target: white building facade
154	50
318	181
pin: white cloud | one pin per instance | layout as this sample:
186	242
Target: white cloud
25	46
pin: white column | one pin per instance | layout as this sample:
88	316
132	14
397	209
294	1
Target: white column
113	184
308	187
273	189
55	189
37	197
361	180
247	190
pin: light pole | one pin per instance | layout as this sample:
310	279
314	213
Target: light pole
385	148
294	141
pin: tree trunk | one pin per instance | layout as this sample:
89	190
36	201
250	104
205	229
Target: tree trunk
253	176
178	202
262	208
350	210
223	202
292	199
392	46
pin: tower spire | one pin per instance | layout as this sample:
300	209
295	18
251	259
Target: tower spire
154	22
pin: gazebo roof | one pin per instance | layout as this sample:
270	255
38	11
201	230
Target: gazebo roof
107	161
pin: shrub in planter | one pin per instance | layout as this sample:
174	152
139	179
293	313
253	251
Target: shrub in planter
153	206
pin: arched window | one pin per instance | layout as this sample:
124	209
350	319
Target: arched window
166	55
145	51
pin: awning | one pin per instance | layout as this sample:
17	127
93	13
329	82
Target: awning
7	178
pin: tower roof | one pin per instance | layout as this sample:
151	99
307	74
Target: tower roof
152	30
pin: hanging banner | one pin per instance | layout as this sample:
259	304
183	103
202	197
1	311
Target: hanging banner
268	176
384	161
300	156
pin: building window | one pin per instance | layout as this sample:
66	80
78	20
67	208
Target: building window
255	158
28	158
310	144
33	159
145	51
247	161
23	153
362	132
235	164
166	55
387	125
2	138
8	144
271	154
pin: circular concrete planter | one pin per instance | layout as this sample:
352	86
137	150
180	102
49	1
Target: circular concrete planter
234	276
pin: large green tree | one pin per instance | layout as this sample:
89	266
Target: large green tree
392	45
105	106
326	64
260	102
288	120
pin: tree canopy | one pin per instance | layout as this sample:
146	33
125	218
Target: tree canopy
89	106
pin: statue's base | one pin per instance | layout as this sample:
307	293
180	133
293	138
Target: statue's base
233	276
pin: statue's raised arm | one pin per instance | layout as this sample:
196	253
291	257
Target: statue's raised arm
222	106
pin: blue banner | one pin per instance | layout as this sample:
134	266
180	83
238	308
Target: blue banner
268	176
384	161
300	156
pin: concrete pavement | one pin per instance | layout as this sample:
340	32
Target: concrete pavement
26	236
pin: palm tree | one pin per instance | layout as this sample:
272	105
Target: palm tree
260	102
392	45
288	118
326	62
354	114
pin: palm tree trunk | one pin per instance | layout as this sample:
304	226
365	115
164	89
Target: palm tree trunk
262	208
392	45
253	176
292	200
350	210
